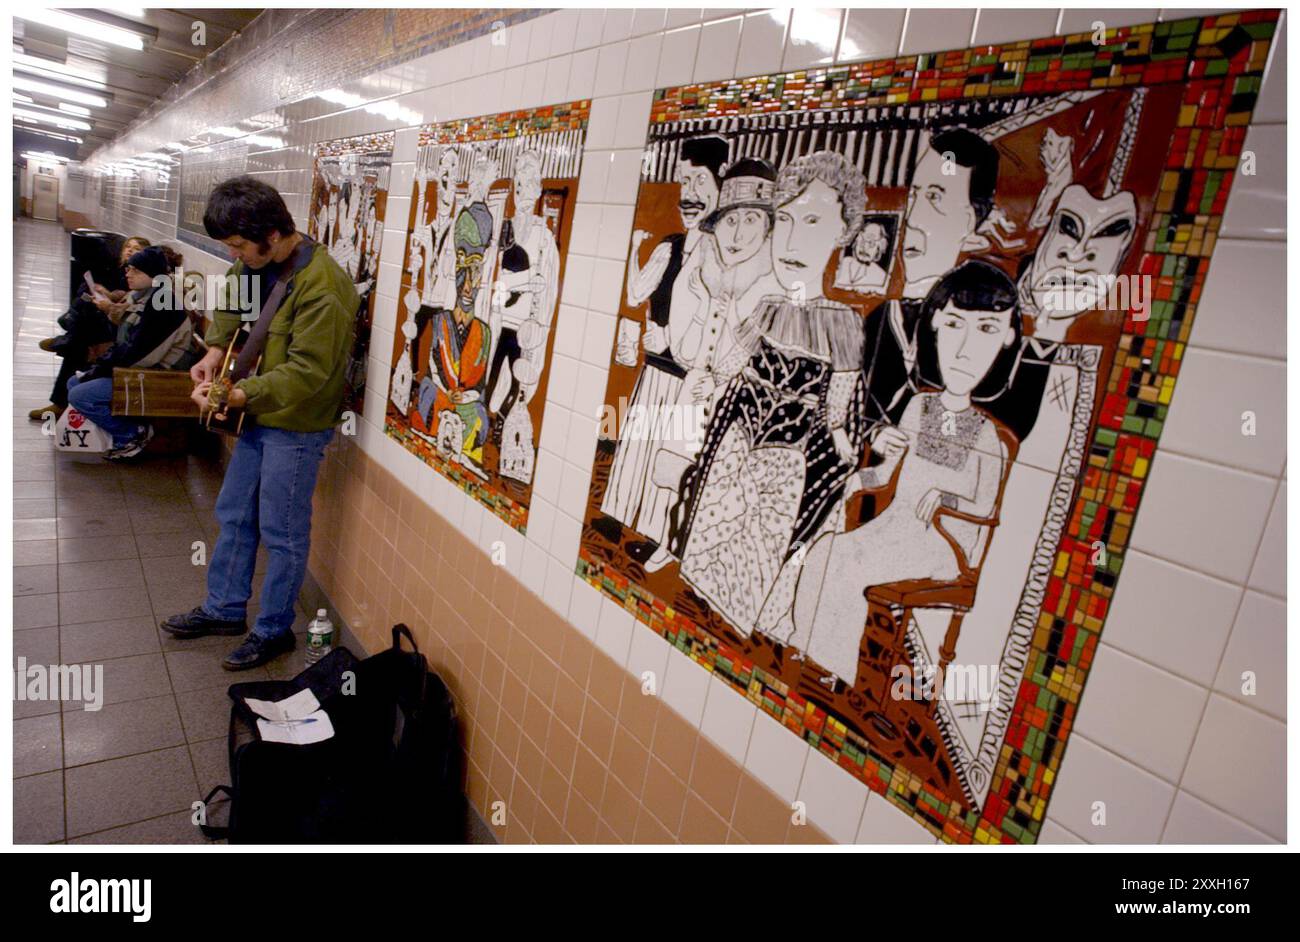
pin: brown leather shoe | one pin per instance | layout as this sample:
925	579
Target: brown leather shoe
38	415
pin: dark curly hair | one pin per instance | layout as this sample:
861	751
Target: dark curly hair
248	208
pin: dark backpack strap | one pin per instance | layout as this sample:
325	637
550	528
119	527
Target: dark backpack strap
211	831
247	359
417	658
398	631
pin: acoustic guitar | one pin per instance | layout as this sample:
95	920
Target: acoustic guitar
244	354
219	416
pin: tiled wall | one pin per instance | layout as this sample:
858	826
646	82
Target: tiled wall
549	675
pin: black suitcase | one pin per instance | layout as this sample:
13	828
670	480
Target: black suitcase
390	773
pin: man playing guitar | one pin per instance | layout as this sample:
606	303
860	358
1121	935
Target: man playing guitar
291	395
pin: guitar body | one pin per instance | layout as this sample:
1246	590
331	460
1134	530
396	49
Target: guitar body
218	416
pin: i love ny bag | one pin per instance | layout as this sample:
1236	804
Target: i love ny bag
76	433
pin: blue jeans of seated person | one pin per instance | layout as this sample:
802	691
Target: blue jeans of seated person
94	400
266	495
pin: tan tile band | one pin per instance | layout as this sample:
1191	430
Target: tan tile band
553	728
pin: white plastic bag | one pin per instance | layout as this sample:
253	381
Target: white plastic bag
77	434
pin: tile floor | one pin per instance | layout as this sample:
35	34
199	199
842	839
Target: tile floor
101	553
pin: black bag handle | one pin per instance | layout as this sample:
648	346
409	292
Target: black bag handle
211	831
398	631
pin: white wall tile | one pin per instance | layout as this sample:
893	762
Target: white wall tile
1243	306
833	799
813	37
775	757
582	77
1202	515
1171	617
1108	800
682	17
1257	203
728	719
643	55
584	607
649	653
648	21
618	25
1081	20
871	34
762	42
1052	833
610	65
1239	764
1121	687
686	688
591	25
624	177
633	119
719	46
1192	821
883	823
929	30
1005	26
1257	646
677	57
1208	416
614	633
564	30
558	72
1268	574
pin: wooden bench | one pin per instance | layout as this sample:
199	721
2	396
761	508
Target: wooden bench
153	393
163	397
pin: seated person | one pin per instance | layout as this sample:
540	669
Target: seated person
945	451
91	325
156	336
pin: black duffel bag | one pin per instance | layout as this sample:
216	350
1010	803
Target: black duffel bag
389	774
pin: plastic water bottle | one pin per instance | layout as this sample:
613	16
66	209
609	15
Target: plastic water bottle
320	637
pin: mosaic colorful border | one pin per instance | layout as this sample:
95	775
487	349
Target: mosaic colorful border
570	116
1221	61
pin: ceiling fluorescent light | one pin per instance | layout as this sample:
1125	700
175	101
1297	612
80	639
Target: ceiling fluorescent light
59	120
60	91
60	71
74	109
82	26
53	134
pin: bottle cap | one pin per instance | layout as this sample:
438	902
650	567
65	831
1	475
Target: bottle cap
320	613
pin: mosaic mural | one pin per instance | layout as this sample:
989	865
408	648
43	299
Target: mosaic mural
201	169
897	340
349	194
489	229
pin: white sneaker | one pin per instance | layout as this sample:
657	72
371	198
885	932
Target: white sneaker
133	447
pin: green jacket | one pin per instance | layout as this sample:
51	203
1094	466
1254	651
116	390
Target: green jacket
300	383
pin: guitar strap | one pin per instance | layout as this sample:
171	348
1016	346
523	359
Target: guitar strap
246	361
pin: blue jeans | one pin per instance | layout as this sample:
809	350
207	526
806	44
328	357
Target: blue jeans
266	494
94	400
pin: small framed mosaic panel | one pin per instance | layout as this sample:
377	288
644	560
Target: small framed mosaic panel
349	195
491	211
